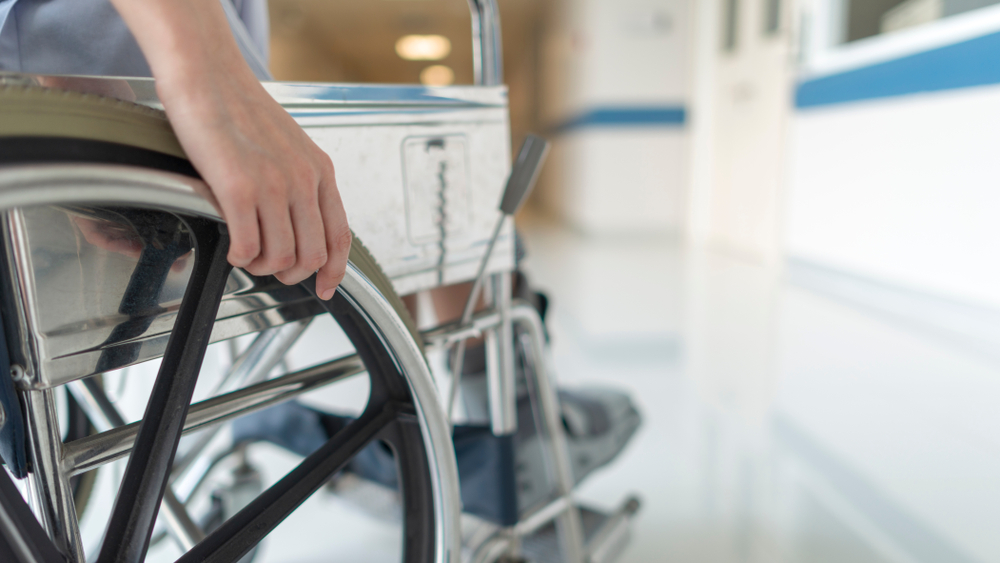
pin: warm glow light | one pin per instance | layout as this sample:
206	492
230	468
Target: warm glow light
437	75
423	47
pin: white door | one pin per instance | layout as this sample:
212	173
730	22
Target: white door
743	80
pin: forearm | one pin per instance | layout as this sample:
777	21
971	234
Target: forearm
275	188
186	42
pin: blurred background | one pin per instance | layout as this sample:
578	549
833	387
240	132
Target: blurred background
775	222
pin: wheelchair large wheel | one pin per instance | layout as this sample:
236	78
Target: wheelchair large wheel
95	155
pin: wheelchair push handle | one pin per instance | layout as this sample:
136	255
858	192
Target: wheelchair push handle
487	47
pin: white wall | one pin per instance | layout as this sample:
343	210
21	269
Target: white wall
625	51
905	189
622	180
613	54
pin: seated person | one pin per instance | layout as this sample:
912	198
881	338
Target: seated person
277	192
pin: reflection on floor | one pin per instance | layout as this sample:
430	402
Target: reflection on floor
781	424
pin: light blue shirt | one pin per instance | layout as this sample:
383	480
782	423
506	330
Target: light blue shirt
89	37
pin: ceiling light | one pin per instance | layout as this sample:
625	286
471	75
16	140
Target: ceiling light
437	75
423	47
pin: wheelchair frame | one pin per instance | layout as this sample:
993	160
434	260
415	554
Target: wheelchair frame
372	117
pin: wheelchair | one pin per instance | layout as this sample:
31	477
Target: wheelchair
114	275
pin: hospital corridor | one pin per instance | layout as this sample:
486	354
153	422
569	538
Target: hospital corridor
500	281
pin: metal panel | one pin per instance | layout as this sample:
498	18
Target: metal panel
366	130
394	195
381	192
421	171
72	280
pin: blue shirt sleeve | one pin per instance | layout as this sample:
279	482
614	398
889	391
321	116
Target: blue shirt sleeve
89	37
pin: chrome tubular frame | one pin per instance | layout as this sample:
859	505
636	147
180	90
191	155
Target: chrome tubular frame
54	462
499	320
52	496
80	456
570	525
500	372
487	49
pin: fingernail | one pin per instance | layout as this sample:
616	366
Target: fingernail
327	294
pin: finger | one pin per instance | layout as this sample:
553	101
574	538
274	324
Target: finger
244	234
310	244
338	239
277	248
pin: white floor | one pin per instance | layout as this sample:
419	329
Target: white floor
779	424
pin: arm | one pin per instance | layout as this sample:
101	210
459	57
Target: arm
275	187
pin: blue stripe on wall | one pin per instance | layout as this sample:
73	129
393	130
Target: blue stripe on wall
627	116
963	65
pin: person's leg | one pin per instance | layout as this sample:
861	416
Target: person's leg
449	301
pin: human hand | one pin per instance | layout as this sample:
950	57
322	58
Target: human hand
275	188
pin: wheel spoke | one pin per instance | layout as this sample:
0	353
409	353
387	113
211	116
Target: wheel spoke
252	366
22	539
105	416
239	534
165	242
411	468
148	469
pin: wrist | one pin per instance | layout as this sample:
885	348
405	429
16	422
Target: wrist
204	84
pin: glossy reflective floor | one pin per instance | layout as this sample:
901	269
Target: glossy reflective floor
782	422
